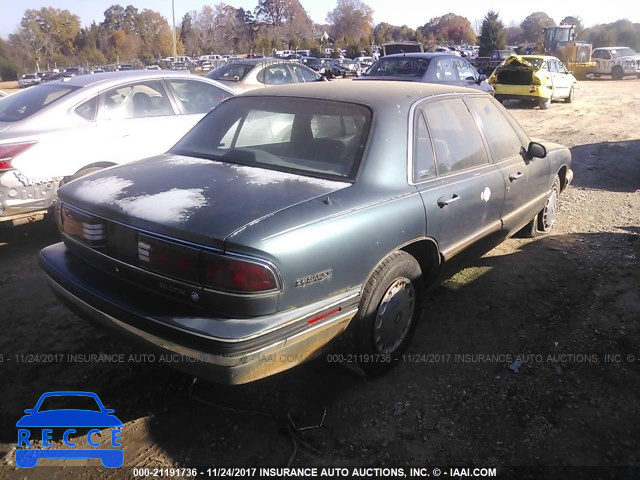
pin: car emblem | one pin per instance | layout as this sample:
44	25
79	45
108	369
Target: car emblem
315	278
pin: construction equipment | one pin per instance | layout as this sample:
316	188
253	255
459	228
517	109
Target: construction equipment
561	42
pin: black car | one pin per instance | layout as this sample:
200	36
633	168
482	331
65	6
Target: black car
428	67
313	63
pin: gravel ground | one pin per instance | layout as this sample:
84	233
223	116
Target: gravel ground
527	356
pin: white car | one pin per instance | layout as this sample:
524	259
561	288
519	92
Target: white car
61	130
28	79
616	61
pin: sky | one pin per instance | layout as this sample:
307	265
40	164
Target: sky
399	12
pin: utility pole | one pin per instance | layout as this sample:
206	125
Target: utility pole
173	35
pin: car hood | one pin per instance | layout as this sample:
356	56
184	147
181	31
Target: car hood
69	418
198	200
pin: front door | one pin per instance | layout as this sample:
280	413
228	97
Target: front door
461	190
525	179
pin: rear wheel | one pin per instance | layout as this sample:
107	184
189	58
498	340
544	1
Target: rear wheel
389	310
617	73
544	103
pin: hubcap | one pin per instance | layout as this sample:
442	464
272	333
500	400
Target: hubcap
549	214
394	316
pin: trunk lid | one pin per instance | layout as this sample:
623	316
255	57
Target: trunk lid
197	200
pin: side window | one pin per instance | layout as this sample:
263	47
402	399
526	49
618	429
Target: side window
304	74
197	97
503	141
277	75
89	109
444	70
456	139
265	128
136	100
553	66
561	67
465	70
424	166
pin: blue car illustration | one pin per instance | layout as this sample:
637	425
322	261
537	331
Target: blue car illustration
43	418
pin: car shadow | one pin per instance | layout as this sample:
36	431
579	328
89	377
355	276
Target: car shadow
524	296
611	166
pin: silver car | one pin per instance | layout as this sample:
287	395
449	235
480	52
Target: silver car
61	130
28	79
244	74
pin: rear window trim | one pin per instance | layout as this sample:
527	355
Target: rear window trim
359	162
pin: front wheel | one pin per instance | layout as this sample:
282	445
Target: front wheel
569	99
389	310
544	221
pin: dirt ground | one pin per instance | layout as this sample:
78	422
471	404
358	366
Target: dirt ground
528	356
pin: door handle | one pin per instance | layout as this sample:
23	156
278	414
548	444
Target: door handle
515	176
442	202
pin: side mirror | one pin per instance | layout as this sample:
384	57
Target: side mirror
536	150
481	78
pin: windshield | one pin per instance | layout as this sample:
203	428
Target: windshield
399	67
623	52
21	105
319	138
311	61
233	72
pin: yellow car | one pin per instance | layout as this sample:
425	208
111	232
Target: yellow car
538	78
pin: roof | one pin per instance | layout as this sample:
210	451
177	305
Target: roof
420	55
133	75
377	94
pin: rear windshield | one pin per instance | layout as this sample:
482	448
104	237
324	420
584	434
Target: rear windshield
233	72
399	67
22	104
536	62
319	138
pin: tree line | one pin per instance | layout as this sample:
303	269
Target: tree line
53	38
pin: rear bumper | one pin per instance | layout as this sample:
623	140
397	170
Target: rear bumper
521	92
273	346
21	197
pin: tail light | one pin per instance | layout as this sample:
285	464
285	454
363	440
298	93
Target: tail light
536	81
236	275
82	227
9	151
214	271
168	258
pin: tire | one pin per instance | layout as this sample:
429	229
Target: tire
389	310
544	103
617	73
83	172
544	221
569	99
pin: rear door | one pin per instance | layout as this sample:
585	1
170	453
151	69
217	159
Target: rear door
137	120
525	179
461	189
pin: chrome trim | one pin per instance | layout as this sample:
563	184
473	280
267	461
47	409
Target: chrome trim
250	360
465	242
522	208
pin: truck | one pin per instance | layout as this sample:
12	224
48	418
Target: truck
561	42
